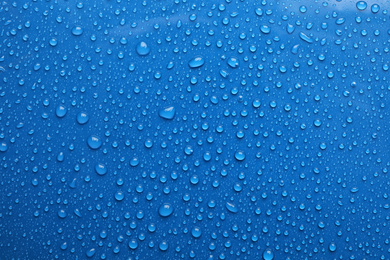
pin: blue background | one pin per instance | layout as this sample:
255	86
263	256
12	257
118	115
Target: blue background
305	106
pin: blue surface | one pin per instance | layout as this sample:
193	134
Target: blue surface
194	129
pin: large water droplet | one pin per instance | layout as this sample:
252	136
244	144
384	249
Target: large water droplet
61	111
3	147
268	254
361	5
240	155
196	62
143	49
94	142
77	31
82	118
233	62
167	113
165	210
101	169
231	207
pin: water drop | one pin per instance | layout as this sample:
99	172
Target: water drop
101	169
77	31
143	49
239	155
165	210
167	113
233	62
61	111
268	254
94	142
82	118
196	62
231	207
361	5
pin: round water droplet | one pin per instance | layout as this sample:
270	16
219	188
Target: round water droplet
143	49
148	143
61	111
268	254
375	8
90	253
133	244
163	245
119	195
62	213
165	210
53	42
332	247
239	155
82	118
361	5
188	150
77	31
94	142
134	162
196	232
196	62
100	169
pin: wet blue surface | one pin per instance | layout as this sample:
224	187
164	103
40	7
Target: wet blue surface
194	130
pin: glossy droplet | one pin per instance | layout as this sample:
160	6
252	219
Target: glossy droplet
53	42
3	147
77	213
290	28
231	207
165	210
94	142
259	11
119	196
101	169
133	244
134	162
239	155
61	111
77	31
143	49
268	254
82	118
332	247
62	213
60	157
305	38
196	62
167	113
361	5
196	232
163	245
375	8
148	143
90	253
233	62
265	29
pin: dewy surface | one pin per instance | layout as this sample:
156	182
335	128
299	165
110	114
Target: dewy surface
180	129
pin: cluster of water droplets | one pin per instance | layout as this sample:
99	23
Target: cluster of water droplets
194	130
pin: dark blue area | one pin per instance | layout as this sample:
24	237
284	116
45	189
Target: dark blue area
194	129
